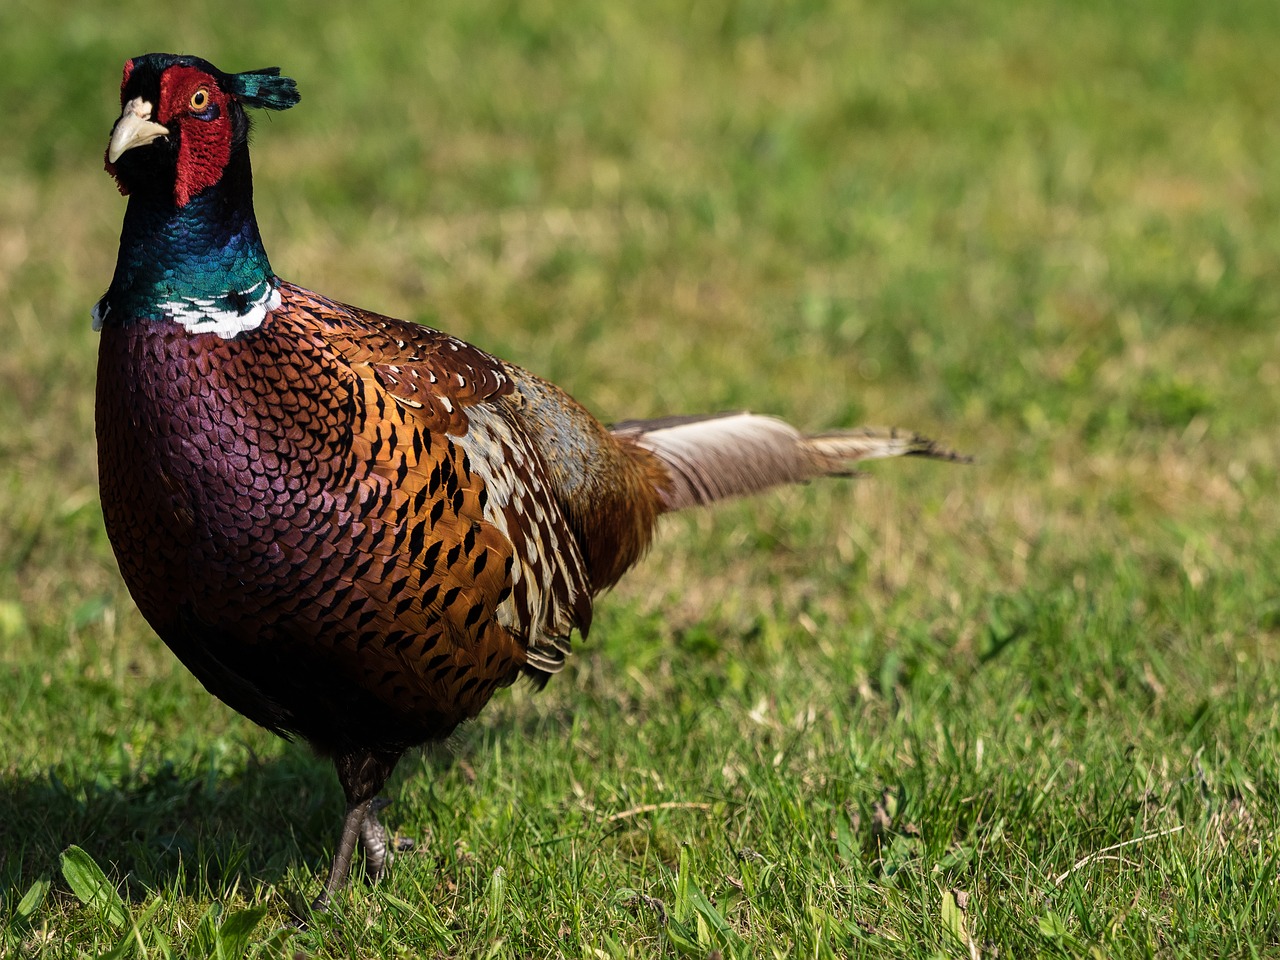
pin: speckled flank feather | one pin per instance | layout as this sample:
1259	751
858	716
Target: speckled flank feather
350	528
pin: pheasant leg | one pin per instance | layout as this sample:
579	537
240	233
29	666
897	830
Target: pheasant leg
351	829
373	838
379	847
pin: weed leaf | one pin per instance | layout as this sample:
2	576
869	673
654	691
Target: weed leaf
91	886
234	933
33	898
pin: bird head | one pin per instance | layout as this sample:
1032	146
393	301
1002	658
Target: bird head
182	119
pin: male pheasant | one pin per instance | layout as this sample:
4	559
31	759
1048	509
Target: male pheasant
351	528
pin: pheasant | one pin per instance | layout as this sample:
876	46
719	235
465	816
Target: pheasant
350	528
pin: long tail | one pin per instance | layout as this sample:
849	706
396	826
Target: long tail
728	455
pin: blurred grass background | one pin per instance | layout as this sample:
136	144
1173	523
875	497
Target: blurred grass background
1046	233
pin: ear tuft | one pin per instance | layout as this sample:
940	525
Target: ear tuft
264	88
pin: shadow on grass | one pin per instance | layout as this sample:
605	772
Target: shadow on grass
199	832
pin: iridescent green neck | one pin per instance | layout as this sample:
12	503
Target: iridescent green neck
202	264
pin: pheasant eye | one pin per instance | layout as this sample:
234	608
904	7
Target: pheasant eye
200	99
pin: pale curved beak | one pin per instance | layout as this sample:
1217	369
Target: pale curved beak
133	129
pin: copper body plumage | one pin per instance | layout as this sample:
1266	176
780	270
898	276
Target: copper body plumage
358	497
351	528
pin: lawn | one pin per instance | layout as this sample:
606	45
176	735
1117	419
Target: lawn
1025	707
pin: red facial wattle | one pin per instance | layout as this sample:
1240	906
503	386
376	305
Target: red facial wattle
192	101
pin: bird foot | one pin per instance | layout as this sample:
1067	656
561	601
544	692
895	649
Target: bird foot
379	848
361	825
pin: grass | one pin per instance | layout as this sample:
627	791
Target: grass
1030	707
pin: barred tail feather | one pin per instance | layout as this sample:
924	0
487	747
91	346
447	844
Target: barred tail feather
728	455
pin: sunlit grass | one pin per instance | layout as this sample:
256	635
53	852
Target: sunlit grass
1029	705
